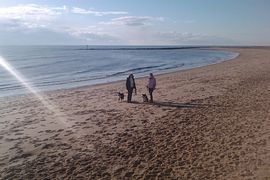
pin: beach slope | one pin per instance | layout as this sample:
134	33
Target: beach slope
211	122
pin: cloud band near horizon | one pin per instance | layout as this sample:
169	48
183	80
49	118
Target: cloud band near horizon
43	24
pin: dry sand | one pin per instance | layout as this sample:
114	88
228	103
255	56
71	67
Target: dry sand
211	122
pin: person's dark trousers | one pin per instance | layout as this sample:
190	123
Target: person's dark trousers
151	94
129	95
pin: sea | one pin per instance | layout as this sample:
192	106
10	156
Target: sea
48	68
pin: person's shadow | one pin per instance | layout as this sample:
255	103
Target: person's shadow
175	104
171	104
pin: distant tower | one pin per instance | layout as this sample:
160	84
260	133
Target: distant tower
86	47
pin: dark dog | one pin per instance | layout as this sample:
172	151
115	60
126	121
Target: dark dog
121	96
145	98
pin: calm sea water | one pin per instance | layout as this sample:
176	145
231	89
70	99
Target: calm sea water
61	67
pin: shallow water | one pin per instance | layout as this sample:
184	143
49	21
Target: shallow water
61	67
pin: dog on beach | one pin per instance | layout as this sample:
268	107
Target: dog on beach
121	96
145	98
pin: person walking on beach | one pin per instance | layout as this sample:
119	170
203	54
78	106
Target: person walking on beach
151	86
130	85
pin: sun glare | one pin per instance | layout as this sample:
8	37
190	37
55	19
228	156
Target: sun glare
49	105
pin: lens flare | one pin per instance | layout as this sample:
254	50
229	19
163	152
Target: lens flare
49	105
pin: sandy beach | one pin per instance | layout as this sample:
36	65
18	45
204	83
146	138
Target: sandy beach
211	122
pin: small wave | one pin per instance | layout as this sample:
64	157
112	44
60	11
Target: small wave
136	70
47	64
11	87
136	48
84	71
69	81
172	67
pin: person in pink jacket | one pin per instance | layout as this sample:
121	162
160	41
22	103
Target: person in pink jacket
151	86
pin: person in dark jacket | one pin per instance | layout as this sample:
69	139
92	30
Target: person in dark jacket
130	85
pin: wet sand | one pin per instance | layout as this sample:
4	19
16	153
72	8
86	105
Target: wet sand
211	122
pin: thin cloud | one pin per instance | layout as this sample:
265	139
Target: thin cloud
178	37
174	37
30	10
29	16
90	35
133	20
77	10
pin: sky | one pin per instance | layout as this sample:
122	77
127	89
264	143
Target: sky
135	22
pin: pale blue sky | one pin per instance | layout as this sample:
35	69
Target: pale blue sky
135	22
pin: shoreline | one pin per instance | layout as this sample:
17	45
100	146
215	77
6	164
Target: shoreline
210	122
172	71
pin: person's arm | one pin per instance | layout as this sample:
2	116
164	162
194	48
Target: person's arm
127	83
155	83
135	87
